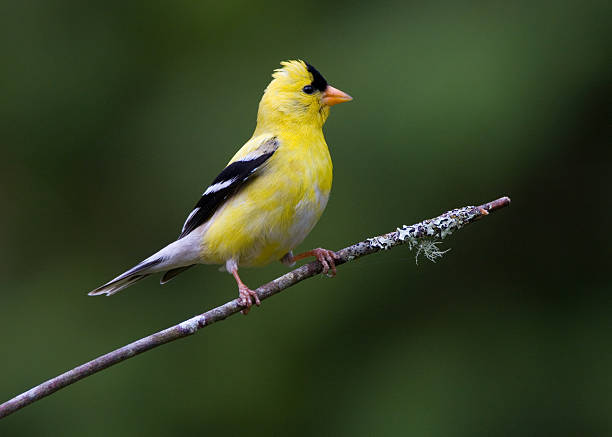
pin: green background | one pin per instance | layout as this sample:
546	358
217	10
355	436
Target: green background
115	116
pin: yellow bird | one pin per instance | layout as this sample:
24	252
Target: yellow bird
269	196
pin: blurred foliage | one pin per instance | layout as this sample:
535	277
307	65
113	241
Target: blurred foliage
116	115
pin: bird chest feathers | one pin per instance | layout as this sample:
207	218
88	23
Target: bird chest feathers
309	187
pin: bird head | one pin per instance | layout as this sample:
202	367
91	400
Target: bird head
298	95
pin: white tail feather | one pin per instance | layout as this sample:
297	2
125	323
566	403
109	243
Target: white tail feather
117	285
176	256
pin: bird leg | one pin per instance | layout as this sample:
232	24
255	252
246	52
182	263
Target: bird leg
326	258
245	293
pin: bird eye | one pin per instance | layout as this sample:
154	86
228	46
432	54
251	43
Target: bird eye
308	89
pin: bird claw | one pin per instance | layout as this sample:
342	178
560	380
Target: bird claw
246	296
327	258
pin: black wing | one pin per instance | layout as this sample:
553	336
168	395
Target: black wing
230	180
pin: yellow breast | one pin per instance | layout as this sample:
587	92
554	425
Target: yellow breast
275	212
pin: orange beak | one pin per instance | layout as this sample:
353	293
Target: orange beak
332	96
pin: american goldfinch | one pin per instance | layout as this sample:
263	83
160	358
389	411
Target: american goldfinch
268	197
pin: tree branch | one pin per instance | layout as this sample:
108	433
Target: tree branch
423	236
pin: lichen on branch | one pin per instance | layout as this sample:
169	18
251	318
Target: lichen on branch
428	234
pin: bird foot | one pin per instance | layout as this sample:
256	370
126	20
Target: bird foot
246	296
327	258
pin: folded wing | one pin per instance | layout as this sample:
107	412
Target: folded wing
230	180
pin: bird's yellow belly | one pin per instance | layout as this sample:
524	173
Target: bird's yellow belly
272	216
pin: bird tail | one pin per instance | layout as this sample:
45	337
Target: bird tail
124	280
173	259
171	274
